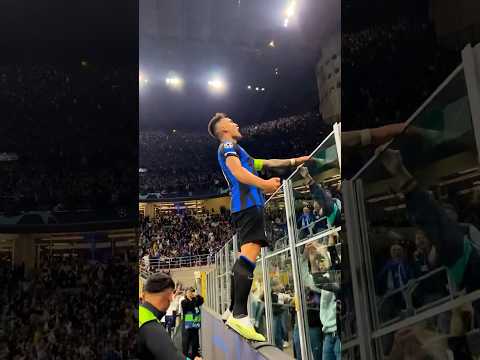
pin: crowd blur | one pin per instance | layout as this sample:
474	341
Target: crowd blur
68	133
180	164
391	69
405	255
170	236
62	309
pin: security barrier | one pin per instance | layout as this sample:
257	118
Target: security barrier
411	215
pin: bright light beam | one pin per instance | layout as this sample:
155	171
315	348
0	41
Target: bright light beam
216	85
290	10
142	79
174	82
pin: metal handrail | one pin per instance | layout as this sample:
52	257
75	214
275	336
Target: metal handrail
408	290
155	265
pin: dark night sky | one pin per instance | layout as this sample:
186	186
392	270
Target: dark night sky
229	37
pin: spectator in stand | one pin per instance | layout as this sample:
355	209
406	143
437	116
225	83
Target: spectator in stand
393	83
397	272
62	314
171	315
293	136
68	172
172	235
192	322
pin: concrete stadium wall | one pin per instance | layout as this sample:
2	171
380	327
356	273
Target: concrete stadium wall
221	343
186	276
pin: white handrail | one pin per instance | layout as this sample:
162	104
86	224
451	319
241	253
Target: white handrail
158	264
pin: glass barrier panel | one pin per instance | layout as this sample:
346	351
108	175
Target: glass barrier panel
222	262
316	192
351	353
285	331
209	289
346	309
228	277
225	294
421	199
257	301
428	291
449	335
231	255
320	274
212	290
276	222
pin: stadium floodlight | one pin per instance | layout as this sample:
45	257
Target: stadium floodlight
174	82
290	10
216	85
271	44
257	88
142	79
249	87
263	89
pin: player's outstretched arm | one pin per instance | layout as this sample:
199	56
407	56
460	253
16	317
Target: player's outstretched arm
277	163
246	177
381	135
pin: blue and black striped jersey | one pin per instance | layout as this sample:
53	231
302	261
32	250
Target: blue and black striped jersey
243	196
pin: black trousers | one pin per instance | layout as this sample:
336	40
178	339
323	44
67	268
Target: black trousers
191	343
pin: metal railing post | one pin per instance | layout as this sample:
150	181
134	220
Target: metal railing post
222	279
471	69
297	284
267	297
216	271
227	273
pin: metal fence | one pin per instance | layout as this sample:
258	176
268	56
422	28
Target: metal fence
154	265
440	148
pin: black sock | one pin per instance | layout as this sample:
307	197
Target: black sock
243	279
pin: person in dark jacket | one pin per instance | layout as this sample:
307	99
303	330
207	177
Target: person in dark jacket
192	322
154	343
304	221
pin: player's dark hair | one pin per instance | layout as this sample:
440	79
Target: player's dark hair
213	122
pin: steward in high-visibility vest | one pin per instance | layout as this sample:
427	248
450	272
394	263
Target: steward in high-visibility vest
154	343
192	323
192	319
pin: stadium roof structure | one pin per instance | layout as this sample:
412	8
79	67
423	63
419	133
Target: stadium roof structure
232	40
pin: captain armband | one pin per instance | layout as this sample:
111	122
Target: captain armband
258	164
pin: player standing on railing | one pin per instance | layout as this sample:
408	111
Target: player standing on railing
247	202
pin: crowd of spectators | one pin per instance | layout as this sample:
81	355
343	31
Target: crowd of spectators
181	164
173	235
178	164
68	131
391	69
62	309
